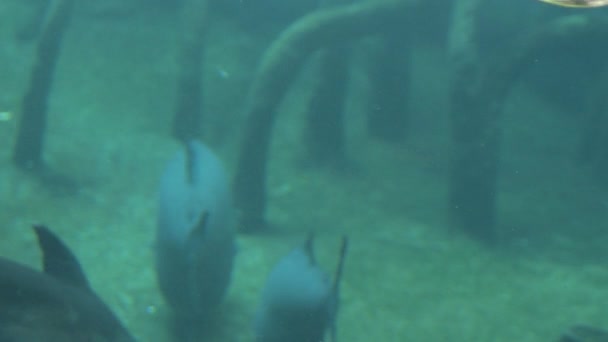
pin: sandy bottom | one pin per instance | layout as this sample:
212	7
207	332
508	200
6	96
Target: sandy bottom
408	277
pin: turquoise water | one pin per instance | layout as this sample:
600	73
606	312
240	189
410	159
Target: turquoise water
408	277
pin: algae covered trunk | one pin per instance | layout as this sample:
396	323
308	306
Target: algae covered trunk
325	112
474	132
387	116
189	97
33	120
278	69
476	135
594	138
479	91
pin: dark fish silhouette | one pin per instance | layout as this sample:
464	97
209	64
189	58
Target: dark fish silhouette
56	305
195	237
299	303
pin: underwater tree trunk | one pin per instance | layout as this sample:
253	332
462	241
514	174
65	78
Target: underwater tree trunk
325	112
189	97
594	130
594	140
477	102
593	148
278	68
35	22
475	133
473	173
324	131
28	148
389	77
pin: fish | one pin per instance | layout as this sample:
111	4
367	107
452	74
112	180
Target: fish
195	236
299	303
55	305
577	3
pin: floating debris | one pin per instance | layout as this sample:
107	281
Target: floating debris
578	3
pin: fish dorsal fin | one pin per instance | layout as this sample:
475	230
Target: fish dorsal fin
58	260
335	292
200	229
